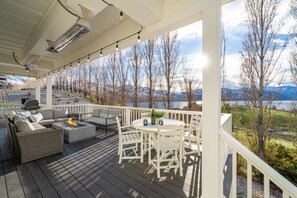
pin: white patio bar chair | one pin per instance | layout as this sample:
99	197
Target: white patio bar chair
129	140
192	136
168	146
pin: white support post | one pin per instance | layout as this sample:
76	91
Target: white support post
211	100
37	90
49	91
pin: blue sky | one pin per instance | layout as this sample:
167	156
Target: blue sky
233	21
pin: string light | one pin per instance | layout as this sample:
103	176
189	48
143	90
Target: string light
117	46
101	49
138	37
121	15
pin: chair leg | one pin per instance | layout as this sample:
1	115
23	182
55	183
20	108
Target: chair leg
180	163
158	163
149	150
141	152
120	156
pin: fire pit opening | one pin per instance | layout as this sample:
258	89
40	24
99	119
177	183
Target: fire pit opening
72	123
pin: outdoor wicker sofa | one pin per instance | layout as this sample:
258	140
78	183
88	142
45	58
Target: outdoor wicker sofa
33	141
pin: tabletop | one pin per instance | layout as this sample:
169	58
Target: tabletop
138	124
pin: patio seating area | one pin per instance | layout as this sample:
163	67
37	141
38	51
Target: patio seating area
90	168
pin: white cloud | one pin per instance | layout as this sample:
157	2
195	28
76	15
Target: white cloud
233	13
190	32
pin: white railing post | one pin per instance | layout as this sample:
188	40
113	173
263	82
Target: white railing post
37	90
211	100
49	91
127	116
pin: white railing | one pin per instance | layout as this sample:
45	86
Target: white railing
270	175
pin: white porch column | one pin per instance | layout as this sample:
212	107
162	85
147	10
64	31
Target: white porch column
37	90
49	92
211	100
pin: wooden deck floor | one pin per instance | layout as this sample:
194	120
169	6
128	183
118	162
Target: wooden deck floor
89	168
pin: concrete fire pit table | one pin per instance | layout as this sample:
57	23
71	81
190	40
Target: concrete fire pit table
76	133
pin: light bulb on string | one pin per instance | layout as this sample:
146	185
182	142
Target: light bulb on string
138	37
121	15
117	46
101	54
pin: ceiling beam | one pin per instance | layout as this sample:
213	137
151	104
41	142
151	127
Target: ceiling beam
145	12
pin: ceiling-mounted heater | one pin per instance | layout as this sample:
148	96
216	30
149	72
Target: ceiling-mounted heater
80	28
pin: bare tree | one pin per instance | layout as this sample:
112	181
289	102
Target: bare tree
122	78
260	59
112	77
136	74
169	57
293	55
150	68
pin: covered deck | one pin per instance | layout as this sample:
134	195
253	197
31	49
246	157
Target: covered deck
90	168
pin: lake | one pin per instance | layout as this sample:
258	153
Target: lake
281	105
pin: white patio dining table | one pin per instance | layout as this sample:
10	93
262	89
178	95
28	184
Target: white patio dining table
138	124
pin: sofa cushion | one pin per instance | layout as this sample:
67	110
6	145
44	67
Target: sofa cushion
24	126
96	113
104	113
36	118
47	122
46	114
37	126
61	119
11	115
114	113
18	117
60	113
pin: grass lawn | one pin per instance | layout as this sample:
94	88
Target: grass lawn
241	135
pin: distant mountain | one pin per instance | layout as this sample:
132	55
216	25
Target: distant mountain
281	93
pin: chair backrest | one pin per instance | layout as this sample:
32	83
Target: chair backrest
170	136
195	125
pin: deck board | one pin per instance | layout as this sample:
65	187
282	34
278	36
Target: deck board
90	168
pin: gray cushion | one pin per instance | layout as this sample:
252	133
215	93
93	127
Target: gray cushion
24	126
60	113
96	113
61	119
37	126
101	121
18	117
114	113
46	114
103	113
47	122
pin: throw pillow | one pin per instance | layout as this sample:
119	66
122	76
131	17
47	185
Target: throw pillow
24	126
46	114
25	113
60	113
36	118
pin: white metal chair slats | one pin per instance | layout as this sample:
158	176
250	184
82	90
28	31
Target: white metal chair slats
168	146
192	136
129	140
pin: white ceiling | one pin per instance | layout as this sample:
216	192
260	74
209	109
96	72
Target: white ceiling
25	25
